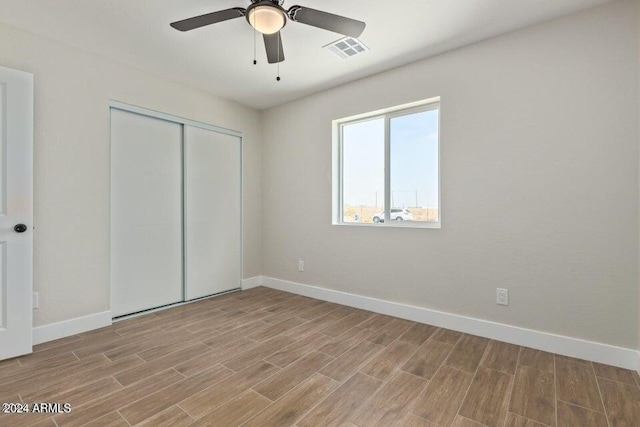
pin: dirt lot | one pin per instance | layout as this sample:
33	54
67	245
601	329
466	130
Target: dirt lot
366	213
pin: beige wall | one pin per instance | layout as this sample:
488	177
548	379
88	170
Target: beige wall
72	92
539	183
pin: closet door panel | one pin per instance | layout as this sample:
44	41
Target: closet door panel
146	212
212	212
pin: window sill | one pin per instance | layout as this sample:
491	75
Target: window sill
399	224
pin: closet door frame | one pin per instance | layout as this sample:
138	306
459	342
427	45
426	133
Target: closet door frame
117	105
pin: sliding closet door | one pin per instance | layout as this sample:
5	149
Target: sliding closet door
146	212
212	212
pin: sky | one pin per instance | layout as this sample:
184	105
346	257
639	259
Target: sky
414	161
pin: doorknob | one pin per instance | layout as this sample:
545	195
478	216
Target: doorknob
20	228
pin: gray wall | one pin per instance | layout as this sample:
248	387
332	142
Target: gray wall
539	183
72	93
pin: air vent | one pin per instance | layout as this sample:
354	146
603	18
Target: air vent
347	47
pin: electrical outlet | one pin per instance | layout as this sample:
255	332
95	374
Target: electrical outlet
300	265
502	296
35	300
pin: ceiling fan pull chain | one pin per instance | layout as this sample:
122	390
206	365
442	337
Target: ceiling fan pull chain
254	48
255	35
279	42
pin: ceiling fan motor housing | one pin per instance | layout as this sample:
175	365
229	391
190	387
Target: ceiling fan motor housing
279	2
271	7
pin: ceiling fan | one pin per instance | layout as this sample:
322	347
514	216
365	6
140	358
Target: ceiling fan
269	17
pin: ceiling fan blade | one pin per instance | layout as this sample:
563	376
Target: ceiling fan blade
327	21
273	44
208	19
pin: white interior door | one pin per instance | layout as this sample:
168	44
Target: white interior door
146	212
212	212
16	212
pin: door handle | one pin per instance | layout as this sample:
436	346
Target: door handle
20	228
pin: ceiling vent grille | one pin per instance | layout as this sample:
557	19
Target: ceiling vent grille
347	47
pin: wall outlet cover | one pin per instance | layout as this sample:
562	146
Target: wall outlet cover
502	296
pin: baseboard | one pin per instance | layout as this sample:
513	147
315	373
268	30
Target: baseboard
252	282
567	346
54	331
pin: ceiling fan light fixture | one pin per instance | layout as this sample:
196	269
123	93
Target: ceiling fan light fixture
266	19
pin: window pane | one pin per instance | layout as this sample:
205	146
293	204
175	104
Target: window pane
363	172
414	167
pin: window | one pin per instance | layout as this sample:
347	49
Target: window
386	168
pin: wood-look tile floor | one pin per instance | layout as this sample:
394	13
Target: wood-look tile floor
269	358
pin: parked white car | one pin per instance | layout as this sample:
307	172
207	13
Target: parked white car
396	214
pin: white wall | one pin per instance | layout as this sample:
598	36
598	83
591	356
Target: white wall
638	118
72	92
539	183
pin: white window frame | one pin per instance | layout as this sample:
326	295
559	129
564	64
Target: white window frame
338	164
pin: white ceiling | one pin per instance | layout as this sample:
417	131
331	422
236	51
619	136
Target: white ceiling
218	59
